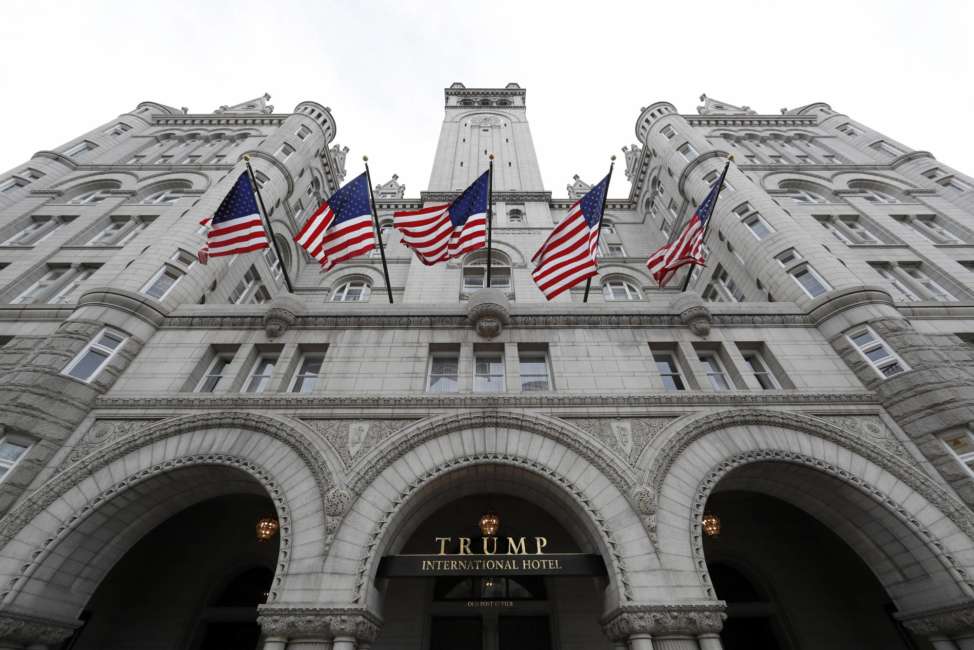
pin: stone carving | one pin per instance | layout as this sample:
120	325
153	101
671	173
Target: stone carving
349	438
871	429
280	316
338	155
336	501
644	498
693	312
715	107
102	434
32	631
632	153
257	105
318	623
625	436
489	311
685	619
948	621
578	189
391	189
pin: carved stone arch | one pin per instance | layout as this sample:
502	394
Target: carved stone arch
774	180
147	476
928	521
96	181
848	180
479	112
512	253
168	182
196	182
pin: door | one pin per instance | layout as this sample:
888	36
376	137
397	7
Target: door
456	633
523	633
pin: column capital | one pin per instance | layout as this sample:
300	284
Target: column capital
28	630
321	622
947	621
683	618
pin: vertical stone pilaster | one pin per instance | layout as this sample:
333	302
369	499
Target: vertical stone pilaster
652	627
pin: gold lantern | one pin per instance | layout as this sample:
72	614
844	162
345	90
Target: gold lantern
266	528
489	524
711	524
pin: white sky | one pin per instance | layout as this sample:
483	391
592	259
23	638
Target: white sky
901	67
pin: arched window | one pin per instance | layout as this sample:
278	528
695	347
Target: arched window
466	102
162	197
608	228
475	271
357	290
484	102
90	197
515	216
803	196
876	192
618	288
875	196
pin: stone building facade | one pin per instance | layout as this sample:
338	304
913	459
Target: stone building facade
812	392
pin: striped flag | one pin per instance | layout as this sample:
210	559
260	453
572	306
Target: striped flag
687	247
568	256
236	226
443	232
341	227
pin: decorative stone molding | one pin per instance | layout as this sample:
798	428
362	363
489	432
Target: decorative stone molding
314	622
615	563
684	619
103	433
693	312
281	315
624	436
947	621
490	311
30	630
148	309
644	499
353	438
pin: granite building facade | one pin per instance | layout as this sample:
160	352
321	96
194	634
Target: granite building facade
779	457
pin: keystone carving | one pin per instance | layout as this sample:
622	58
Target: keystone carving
336	501
281	315
644	498
489	311
685	619
693	313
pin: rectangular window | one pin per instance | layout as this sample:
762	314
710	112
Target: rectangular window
273	263
260	375
11	451
876	353
668	132
711	178
788	257
309	368
37	229
810	281
714	369
214	373
847	129
828	223
759	369
885	148
614	250
262	179
901	291
303	132
45	286
116	231
12	184
444	371
162	282
758	226
488	372
118	129
858	232
285	151
669	372
934	229
687	151
135	160
80	148
932	289
533	366
96	355
193	159
961	446
245	288
69	290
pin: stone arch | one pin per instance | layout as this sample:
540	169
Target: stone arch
75	527
574	471
863	491
95	181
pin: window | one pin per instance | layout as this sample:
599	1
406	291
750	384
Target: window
488	372
620	289
444	372
214	374
260	376
875	196
11	451
759	369
829	224
687	151
96	355
273	263
847	129
788	257
45	286
162	282
69	290
185	258
711	178
36	230
262	179
515	216
261	296
810	281
119	231
885	148
191	159
90	198
804	196
164	197
534	370
859	234
960	445
613	250
714	370
901	291
306	378
12	184
303	132
874	350
80	148
245	288
353	291
608	228
930	286
668	132
933	229
669	372
118	129
722	288
475	272
285	151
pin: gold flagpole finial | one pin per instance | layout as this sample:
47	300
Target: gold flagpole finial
491	156
612	157
731	157
365	159
247	157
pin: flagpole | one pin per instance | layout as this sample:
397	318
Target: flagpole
703	236
490	213
378	229
267	222
598	236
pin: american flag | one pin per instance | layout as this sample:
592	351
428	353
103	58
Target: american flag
686	248
568	256
442	232
236	226
341	227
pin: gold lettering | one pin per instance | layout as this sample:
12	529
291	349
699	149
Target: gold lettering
489	552
516	548
443	542
465	546
427	565
541	542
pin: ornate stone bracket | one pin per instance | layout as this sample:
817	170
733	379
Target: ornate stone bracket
29	630
314	622
693	313
281	315
684	619
489	310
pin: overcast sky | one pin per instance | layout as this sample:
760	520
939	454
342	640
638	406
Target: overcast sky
903	68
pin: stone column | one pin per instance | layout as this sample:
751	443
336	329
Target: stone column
948	628
18	632
656	627
313	628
